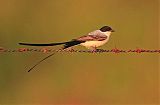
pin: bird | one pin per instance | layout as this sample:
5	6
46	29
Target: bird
91	41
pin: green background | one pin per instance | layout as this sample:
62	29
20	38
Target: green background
79	78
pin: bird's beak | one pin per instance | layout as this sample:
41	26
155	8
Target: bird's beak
112	31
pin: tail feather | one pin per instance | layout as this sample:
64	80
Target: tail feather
72	43
49	44
66	44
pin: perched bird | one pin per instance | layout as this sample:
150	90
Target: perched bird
91	41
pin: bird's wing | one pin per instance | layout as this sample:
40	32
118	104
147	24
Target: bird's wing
93	36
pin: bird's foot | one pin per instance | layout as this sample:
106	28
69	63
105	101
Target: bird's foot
97	50
100	50
94	51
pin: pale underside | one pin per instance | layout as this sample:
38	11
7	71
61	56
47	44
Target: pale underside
94	44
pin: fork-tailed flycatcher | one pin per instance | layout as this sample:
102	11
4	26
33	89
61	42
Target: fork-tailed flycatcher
91	41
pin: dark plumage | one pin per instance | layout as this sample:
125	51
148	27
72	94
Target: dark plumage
72	43
106	28
66	44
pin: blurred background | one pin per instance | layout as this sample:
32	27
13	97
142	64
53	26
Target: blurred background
79	78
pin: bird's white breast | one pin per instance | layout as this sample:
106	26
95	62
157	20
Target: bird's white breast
90	44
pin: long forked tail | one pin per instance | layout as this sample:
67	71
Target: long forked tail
41	61
66	45
49	44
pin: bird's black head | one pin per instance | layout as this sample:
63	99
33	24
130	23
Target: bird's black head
106	28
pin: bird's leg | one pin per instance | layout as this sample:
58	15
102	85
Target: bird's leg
100	50
93	49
